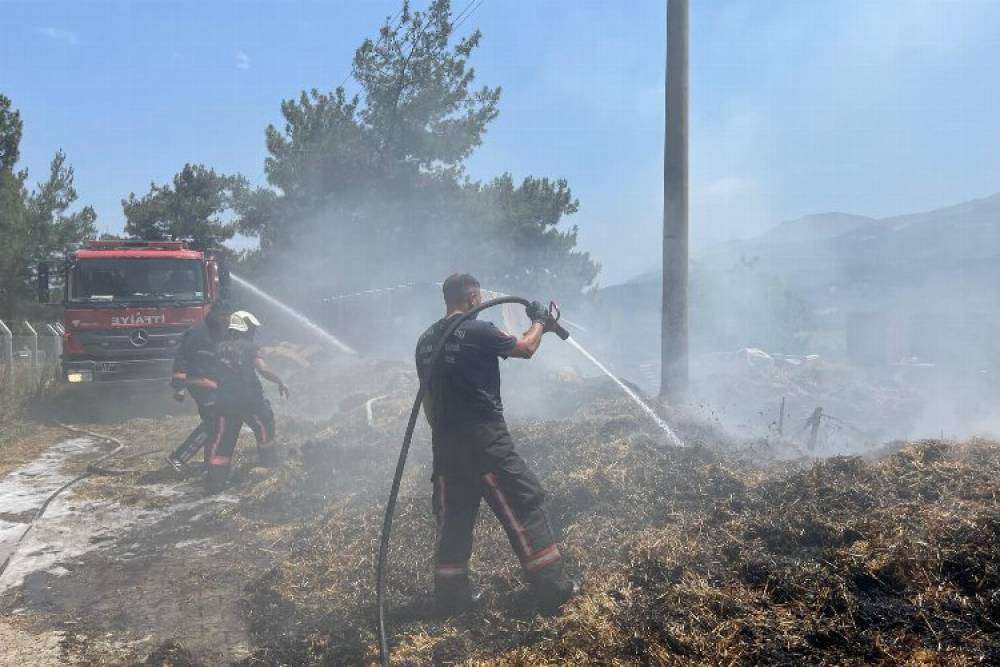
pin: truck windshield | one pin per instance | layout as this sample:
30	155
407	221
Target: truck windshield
136	280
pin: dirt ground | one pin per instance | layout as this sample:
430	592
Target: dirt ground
163	561
141	567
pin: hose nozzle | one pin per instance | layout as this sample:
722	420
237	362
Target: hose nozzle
553	324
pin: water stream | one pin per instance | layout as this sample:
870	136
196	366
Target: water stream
319	331
333	340
671	436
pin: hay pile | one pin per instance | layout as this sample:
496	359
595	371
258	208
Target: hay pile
844	562
699	555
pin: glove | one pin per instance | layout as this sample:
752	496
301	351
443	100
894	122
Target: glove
537	312
179	395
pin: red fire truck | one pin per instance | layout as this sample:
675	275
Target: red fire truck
127	304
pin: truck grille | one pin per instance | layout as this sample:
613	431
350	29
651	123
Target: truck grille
120	345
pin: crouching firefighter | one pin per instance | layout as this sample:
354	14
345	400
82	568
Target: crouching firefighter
196	359
240	400
474	454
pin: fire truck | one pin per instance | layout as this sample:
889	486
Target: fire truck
126	305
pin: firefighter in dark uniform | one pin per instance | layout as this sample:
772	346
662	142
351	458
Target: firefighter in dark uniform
474	454
240	400
196	357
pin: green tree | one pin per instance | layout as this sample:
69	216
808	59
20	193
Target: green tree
419	109
371	189
523	224
196	207
33	224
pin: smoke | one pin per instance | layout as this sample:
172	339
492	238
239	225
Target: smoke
835	310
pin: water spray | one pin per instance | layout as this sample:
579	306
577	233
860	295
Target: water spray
302	319
383	549
671	436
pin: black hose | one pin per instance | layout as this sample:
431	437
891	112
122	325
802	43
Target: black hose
383	549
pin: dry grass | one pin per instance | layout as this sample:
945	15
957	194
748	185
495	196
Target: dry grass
715	554
843	562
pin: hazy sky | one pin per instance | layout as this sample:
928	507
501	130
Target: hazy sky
801	106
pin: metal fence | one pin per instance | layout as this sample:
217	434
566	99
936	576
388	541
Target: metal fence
29	356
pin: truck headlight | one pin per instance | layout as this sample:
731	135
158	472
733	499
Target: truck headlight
79	376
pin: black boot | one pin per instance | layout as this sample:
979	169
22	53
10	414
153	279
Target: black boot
552	589
455	597
218	477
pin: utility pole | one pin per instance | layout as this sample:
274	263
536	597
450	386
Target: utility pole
674	328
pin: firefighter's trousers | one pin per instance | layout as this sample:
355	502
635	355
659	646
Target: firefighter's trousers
202	432
478	461
226	428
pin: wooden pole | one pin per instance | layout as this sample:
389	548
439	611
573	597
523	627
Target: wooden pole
674	328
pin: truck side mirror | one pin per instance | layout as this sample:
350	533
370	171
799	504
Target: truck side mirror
43	282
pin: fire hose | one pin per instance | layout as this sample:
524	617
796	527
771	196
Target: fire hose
383	549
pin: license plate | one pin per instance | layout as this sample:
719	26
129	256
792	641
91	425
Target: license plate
108	367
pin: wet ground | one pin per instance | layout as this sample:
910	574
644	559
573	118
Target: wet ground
122	568
67	529
94	577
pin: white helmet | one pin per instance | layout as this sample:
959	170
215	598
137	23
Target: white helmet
242	320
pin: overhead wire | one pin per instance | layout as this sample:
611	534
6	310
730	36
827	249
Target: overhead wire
460	19
351	69
470	8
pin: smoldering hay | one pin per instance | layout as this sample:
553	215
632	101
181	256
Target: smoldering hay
723	552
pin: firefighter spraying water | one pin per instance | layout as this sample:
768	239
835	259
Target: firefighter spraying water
473	453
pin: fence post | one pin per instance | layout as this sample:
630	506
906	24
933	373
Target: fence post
7	359
54	353
34	348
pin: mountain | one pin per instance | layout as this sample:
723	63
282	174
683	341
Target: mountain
924	284
837	260
817	227
828	252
